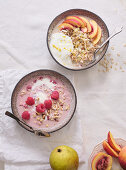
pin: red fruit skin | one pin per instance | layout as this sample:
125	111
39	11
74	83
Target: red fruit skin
55	95
40	108
26	115
30	101
48	104
28	87
122	158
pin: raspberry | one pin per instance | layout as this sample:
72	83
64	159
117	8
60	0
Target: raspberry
26	115
53	81
48	104
30	101
40	108
55	95
28	87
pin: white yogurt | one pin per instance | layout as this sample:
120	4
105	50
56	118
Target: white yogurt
44	81
61	47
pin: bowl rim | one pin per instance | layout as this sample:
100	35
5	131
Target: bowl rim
79	69
74	91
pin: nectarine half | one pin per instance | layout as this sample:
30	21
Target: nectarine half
122	158
102	161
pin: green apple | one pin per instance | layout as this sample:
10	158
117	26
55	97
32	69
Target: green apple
64	158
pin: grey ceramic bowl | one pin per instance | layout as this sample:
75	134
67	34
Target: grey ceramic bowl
90	15
37	73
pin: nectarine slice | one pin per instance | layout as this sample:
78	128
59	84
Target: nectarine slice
78	19
87	23
64	26
94	26
98	37
112	143
73	22
122	158
102	161
109	150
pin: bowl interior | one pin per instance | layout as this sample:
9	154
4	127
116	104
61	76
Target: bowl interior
34	74
88	14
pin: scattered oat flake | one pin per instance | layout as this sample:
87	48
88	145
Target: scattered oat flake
112	48
118	54
124	45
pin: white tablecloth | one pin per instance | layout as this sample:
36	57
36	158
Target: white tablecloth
101	95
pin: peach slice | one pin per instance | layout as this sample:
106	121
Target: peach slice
83	24
65	26
94	26
109	150
87	23
98	37
102	161
73	22
84	29
112	143
122	158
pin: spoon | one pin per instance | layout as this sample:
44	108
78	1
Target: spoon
116	31
37	132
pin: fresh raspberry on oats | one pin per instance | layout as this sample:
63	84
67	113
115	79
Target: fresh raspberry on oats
48	104
26	115
40	108
55	95
30	101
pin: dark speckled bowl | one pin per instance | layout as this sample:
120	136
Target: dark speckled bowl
91	15
37	73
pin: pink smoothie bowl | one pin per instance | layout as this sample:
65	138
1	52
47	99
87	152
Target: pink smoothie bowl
38	123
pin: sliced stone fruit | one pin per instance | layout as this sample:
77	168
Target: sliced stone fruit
87	23
83	24
122	158
102	161
73	22
109	150
85	30
98	37
65	26
112	143
94	27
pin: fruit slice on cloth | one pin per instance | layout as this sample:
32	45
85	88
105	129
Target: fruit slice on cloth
102	161
109	150
112	143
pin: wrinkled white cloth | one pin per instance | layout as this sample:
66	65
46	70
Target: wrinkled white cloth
21	149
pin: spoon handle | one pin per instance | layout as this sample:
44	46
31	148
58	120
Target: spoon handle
16	118
116	31
37	132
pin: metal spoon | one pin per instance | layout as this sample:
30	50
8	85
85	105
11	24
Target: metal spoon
116	31
37	132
